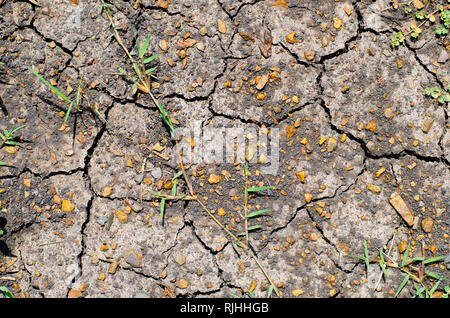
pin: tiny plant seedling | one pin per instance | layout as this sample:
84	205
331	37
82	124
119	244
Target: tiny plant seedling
415	30
439	94
75	105
417	274
7	139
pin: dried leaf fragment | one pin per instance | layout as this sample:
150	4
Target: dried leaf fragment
402	208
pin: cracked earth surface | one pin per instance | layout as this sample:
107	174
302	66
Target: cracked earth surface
351	112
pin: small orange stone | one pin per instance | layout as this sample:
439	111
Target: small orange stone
290	37
27	183
106	191
371	126
314	236
380	171
291	131
297	292
221	26
73	293
427	225
102	276
402	246
67	206
301	175
213	178
57	199
308	197
80	138
322	140
182	283
337	23
122	217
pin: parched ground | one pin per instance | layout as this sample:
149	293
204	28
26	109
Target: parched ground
77	212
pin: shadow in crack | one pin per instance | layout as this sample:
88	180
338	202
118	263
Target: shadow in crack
4	249
2	106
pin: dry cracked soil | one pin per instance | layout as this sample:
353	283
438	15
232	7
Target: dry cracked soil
359	143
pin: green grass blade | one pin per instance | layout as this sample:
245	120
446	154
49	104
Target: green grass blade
433	259
162	110
405	256
418	290
151	58
175	182
6	292
100	115
405	280
178	174
254	227
166	119
150	70
270	291
16	129
382	265
257	213
162	206
78	97
68	112
145	47
235	247
435	286
436	276
357	256
256	189
366	256
12	143
174	187
4	164
57	92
